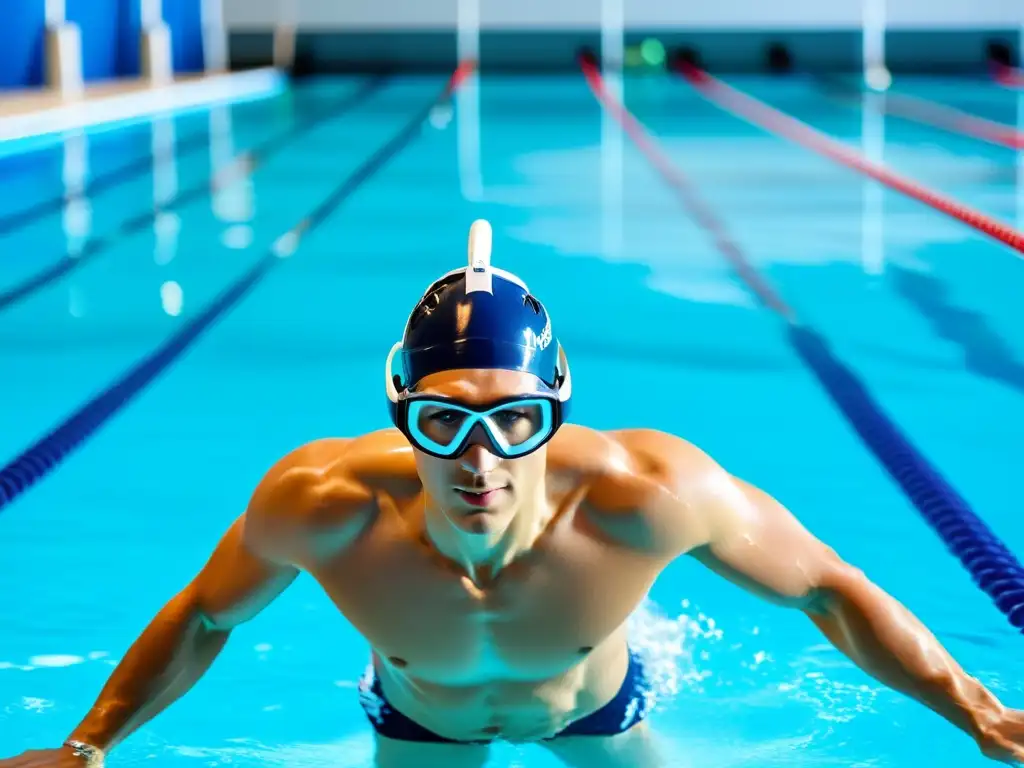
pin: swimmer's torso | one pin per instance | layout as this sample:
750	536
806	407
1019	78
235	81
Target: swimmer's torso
519	656
531	649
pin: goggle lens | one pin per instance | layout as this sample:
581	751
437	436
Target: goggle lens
513	428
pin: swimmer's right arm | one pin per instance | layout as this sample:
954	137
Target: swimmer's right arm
184	638
252	564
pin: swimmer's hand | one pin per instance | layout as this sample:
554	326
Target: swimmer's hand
64	757
1003	738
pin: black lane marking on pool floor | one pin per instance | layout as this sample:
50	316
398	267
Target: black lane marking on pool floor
993	567
18	219
45	454
247	161
985	352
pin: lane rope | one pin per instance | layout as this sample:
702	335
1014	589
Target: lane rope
992	566
43	456
778	123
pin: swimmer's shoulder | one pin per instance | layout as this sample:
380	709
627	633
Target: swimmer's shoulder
326	489
628	456
643	486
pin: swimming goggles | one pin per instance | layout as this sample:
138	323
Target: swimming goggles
511	427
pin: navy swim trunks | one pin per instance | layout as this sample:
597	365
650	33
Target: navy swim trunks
629	706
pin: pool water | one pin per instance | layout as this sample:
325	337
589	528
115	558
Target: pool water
660	334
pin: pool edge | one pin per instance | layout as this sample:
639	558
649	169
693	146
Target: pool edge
175	97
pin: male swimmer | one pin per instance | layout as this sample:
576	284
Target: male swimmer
491	554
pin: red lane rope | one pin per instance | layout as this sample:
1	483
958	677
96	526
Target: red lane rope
780	124
464	70
953	120
700	211
1009	77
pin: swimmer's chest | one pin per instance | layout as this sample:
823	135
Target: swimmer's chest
564	598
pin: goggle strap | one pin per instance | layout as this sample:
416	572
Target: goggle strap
389	376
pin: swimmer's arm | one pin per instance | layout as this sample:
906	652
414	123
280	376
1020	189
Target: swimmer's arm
251	566
183	639
756	543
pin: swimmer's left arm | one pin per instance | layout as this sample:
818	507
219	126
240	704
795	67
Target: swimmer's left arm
755	542
746	536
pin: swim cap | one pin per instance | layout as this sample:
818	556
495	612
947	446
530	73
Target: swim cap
479	317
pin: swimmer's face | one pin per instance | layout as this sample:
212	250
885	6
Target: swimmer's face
479	490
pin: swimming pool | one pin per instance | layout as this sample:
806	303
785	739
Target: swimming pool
659	331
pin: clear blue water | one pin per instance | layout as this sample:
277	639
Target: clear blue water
659	332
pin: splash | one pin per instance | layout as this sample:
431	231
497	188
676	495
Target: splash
689	654
672	646
33	704
833	700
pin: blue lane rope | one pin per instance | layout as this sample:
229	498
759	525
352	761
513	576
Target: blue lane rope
42	457
991	564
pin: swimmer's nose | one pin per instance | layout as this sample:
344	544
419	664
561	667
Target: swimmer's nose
477	460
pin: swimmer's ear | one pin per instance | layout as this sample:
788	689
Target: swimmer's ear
564	376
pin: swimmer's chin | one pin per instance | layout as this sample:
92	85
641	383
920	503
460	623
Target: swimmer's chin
482	520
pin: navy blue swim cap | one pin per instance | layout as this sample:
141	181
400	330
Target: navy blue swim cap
479	317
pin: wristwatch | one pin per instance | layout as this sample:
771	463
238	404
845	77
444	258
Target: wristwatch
93	755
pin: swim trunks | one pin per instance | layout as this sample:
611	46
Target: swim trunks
628	707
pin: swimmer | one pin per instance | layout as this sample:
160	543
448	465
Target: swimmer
491	553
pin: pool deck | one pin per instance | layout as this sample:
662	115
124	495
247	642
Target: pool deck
25	113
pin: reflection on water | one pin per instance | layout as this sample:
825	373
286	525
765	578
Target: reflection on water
233	197
165	164
171	298
76	217
612	179
872	208
237	236
166	225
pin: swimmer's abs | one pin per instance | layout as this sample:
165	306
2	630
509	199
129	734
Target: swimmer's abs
508	710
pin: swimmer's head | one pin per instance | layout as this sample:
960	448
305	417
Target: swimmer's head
483	383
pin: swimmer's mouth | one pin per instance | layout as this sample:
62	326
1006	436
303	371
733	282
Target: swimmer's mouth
480	497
